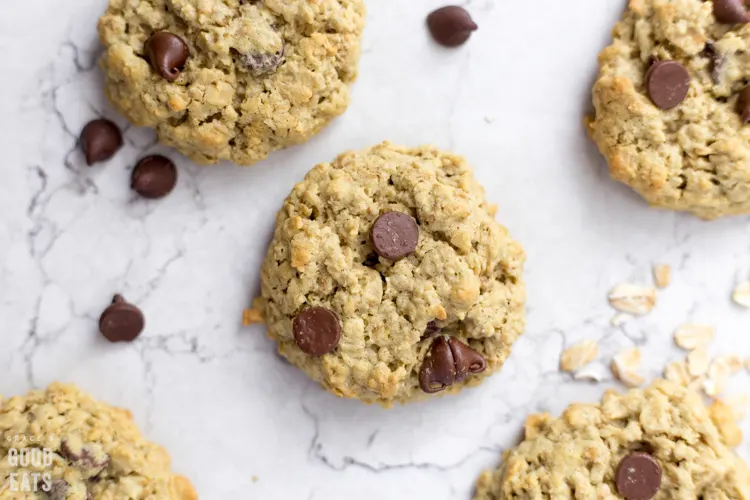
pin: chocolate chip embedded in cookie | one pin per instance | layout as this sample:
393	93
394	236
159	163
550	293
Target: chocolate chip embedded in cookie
393	282
658	442
675	130
231	80
638	477
96	451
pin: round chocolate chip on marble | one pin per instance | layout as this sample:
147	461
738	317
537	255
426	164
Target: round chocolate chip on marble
100	140
438	368
394	235
451	26
167	53
317	331
467	360
731	11
667	83
154	177
638	477
743	104
121	322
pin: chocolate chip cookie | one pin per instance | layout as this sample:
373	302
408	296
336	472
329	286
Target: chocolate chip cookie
658	443
61	444
231	79
672	108
388	279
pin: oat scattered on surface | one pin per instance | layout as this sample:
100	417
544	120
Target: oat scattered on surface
698	362
733	363
718	377
633	299
625	367
691	336
740	404
593	372
741	294
662	275
579	355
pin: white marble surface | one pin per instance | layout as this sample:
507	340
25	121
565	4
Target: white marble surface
236	419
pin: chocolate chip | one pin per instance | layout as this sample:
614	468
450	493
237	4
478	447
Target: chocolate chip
263	64
85	457
731	11
100	140
154	177
743	104
438	368
431	329
717	61
638	477
667	83
167	53
394	235
467	360
451	26
317	331
58	490
121	322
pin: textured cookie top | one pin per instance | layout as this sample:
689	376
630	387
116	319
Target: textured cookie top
578	454
82	450
260	75
460	278
694	156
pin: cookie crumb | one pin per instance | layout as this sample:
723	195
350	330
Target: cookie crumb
662	275
253	315
722	416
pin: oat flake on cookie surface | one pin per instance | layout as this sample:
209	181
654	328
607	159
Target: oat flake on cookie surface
95	451
672	105
439	313
243	79
579	454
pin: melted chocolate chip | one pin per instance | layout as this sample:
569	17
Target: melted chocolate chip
438	368
467	360
667	83
731	11
394	235
638	477
168	54
743	104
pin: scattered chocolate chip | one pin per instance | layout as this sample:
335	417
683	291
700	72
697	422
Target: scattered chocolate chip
467	360
731	11
438	369
394	235
451	26
167	53
263	64
667	83
431	329
154	177
100	140
58	490
638	477
317	331
717	61
743	104
121	322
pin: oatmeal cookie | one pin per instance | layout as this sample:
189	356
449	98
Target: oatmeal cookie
388	279
61	444
231	79
656	443
673	106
